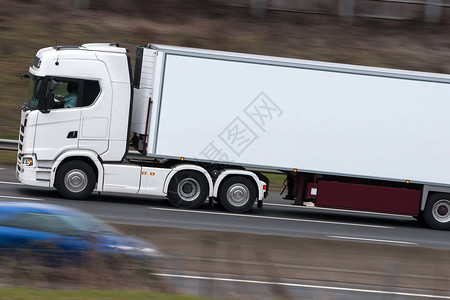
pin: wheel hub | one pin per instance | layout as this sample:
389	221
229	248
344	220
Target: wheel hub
189	189
441	211
238	194
75	180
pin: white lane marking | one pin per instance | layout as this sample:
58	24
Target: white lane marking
370	240
323	287
22	198
267	217
336	209
8	182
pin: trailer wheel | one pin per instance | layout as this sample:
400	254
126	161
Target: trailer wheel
237	194
437	211
75	180
188	189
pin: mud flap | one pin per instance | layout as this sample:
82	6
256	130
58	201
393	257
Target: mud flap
259	204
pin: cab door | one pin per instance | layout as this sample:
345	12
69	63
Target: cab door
58	120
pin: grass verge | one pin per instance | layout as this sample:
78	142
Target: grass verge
38	294
275	179
8	158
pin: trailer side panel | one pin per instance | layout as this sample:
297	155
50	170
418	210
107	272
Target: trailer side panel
285	117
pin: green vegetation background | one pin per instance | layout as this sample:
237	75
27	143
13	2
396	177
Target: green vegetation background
27	26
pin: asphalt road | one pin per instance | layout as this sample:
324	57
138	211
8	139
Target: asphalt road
278	217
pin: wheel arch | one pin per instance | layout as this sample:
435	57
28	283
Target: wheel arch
231	173
189	167
429	190
89	157
437	211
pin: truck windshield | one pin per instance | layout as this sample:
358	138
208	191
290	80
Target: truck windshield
33	92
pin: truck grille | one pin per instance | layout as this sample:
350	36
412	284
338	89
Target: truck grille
21	135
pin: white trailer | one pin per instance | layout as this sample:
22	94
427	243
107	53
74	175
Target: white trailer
347	136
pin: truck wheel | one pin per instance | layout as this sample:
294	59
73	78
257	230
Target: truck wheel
75	180
188	189
237	194
437	211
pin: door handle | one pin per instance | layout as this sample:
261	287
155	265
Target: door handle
72	135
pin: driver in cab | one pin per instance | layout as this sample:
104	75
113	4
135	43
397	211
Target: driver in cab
71	99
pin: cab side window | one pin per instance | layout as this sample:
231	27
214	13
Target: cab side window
91	92
69	93
66	94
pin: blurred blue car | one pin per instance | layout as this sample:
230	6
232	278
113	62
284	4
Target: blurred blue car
59	231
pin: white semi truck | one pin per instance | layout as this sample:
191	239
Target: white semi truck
349	137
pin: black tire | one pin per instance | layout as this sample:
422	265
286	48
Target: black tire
75	179
237	194
188	189
437	211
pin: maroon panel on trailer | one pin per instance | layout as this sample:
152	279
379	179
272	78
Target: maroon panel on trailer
368	198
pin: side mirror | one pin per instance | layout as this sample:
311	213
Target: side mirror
53	85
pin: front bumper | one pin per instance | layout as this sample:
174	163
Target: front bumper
33	176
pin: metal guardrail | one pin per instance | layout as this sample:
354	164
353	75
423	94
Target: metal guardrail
8	145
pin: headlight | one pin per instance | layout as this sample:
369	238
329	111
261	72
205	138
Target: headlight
123	248
137	250
150	252
27	161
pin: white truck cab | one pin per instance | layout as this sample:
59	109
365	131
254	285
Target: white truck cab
94	125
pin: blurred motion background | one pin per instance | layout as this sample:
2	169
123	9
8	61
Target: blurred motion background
403	34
